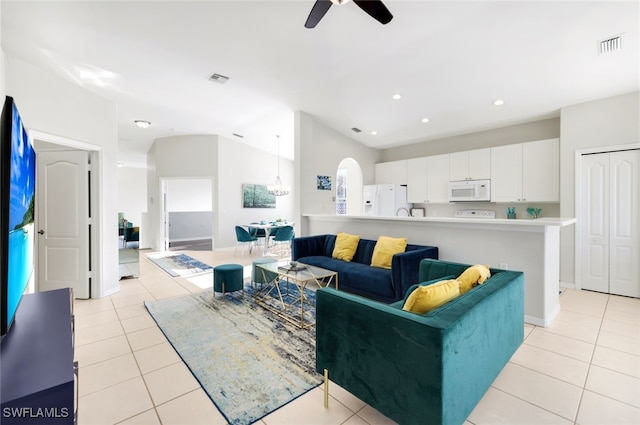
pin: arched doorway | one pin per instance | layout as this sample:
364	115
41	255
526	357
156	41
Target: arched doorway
349	188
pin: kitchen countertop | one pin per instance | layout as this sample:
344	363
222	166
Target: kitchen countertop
538	222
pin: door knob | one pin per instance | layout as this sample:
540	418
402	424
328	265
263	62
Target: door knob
41	232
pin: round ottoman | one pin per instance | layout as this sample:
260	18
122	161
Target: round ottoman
259	275
228	278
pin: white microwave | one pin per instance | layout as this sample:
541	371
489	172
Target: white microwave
470	191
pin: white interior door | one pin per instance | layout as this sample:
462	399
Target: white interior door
625	223
63	221
610	226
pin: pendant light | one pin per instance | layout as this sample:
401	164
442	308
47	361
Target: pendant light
278	189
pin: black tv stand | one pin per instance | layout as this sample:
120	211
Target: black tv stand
36	362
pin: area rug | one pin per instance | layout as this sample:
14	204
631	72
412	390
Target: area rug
249	361
178	264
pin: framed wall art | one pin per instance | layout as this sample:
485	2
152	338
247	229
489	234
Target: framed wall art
257	196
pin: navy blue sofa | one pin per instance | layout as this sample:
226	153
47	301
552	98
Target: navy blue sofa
357	276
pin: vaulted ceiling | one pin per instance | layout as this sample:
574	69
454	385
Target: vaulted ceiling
450	60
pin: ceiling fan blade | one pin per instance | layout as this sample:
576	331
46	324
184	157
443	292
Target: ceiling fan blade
319	9
376	9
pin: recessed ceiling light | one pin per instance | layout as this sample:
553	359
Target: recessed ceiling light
374	133
397	96
142	123
498	102
425	120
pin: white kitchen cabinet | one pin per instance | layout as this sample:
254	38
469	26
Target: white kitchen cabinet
428	179
437	178
470	165
541	171
391	172
417	180
526	172
382	174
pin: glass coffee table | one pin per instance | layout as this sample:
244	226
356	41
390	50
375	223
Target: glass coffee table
284	294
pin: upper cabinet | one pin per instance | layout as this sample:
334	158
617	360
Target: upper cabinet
428	179
470	165
394	172
417	180
526	172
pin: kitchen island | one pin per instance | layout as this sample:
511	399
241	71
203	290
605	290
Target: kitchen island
531	246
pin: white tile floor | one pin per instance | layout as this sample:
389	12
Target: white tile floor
584	369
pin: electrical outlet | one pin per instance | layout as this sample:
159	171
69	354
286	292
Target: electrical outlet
504	266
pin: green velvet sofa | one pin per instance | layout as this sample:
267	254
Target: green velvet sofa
422	369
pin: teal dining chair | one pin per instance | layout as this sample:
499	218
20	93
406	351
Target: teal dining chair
284	236
243	237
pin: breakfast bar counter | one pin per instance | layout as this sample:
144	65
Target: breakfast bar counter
528	245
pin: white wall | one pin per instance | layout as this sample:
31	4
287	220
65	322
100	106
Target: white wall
189	195
177	156
238	163
228	164
318	151
132	194
520	133
612	121
190	206
51	105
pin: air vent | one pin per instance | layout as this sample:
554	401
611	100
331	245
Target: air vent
610	45
238	135
217	78
356	129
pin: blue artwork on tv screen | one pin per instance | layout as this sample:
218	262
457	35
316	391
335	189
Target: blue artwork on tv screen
21	214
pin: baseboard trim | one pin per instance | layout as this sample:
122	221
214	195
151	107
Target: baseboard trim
537	321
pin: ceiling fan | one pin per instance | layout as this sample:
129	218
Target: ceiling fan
375	8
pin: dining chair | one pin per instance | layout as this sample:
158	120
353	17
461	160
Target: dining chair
284	236
243	237
131	234
258	233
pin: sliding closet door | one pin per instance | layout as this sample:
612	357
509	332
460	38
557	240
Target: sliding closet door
610	222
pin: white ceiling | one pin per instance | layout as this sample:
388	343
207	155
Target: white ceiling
449	59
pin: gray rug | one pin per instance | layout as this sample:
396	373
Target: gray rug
247	360
177	264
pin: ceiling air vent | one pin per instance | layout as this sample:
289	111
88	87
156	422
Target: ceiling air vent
610	45
240	136
217	78
356	129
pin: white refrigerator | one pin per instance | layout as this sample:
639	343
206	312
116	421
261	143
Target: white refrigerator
385	200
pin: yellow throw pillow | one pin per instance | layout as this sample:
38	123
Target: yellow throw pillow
345	247
386	247
425	298
472	276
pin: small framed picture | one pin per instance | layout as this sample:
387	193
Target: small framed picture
417	212
324	182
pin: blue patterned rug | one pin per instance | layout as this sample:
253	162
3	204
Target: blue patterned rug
247	360
177	264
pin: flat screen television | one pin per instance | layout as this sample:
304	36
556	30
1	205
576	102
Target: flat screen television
17	212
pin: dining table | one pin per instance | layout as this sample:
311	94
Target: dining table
267	226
